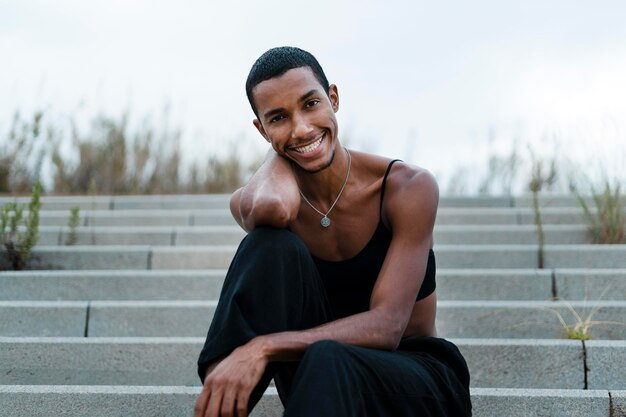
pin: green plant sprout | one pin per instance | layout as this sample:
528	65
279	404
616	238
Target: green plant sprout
72	224
19	244
607	224
93	192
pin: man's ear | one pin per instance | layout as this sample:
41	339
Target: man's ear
333	95
259	127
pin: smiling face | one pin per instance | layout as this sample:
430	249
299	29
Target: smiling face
297	117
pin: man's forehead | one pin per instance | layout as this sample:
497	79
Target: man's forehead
295	80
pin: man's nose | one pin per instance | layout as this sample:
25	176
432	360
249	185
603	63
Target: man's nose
300	127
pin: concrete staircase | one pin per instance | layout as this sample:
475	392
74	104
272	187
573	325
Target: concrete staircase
113	325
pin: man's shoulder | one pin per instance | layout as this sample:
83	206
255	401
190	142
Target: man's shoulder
410	190
403	180
406	179
402	172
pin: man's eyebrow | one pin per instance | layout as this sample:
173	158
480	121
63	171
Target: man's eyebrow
280	109
273	112
309	94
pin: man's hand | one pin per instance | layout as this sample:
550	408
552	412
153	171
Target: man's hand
228	386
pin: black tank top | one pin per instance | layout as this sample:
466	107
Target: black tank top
349	283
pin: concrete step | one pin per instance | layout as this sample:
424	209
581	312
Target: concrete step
498	402
585	256
510	234
153	217
232	235
531	284
43	318
171	202
530	319
208	257
500	284
537	284
143	235
219	257
99	361
88	257
552	200
105	318
130	202
111	285
493	363
455	319
513	363
590	284
476	201
107	401
150	318
173	401
526	256
201	201
205	284
510	216
605	367
223	217
64	203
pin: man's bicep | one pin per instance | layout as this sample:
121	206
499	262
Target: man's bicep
414	209
411	212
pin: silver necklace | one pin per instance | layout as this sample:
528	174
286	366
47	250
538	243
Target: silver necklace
325	222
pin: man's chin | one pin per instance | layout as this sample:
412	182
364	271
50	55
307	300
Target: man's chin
322	168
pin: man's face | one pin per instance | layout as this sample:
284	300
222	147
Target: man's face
298	118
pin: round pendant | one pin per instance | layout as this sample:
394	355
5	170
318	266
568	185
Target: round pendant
325	221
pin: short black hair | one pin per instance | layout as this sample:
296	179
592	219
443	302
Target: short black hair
278	61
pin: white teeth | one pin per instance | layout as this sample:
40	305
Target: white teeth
310	147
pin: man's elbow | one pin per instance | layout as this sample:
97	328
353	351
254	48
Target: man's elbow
393	339
268	211
390	334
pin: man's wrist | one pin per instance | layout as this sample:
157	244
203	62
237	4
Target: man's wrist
264	347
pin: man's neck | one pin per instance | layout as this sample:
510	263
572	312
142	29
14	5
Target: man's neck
322	187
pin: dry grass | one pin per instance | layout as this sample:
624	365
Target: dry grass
22	151
580	325
607	223
538	180
511	173
109	157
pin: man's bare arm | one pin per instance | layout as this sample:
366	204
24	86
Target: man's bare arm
270	198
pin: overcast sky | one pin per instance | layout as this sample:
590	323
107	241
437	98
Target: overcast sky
422	81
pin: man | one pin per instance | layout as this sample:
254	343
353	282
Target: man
332	291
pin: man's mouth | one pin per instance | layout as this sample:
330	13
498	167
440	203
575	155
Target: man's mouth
311	147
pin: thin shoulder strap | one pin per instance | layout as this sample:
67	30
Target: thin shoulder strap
382	188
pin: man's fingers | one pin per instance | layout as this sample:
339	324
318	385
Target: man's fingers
201	403
228	404
241	407
214	404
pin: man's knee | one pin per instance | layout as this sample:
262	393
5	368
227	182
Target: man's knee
274	242
271	264
325	354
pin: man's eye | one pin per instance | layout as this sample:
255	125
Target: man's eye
277	118
312	103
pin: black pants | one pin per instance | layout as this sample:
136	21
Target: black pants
273	285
